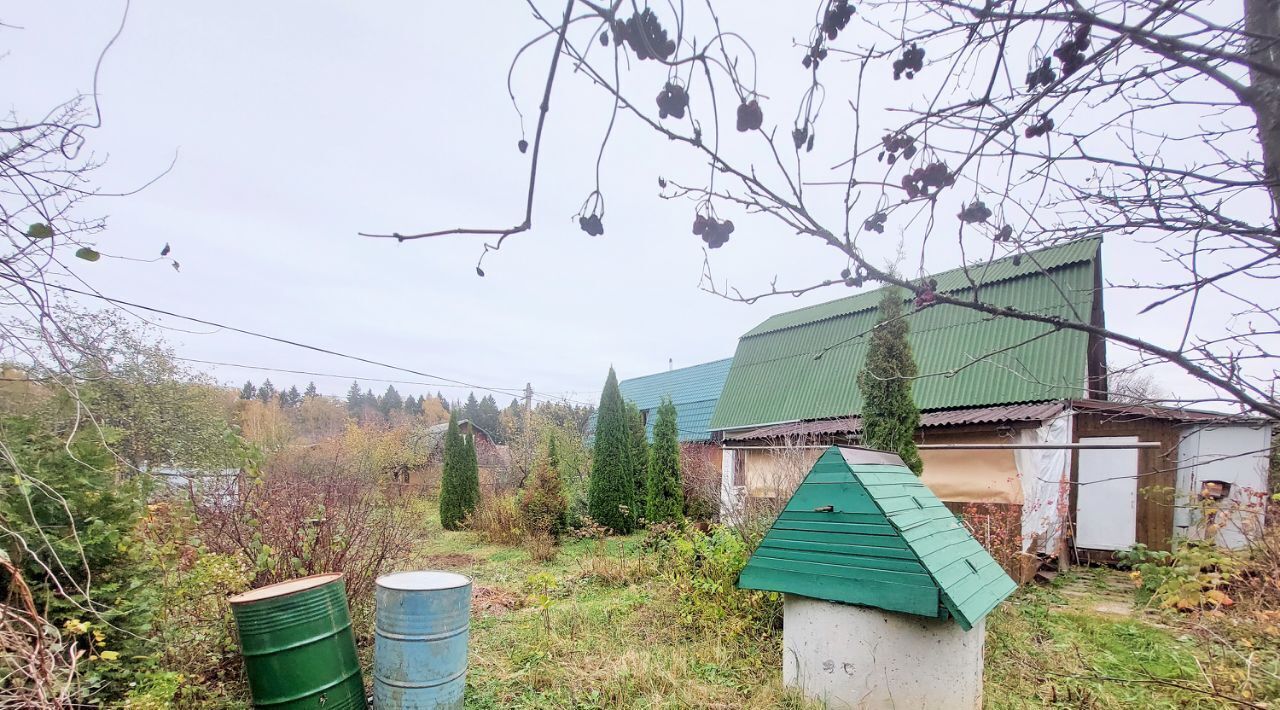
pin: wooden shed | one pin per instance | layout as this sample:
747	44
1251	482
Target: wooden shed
875	569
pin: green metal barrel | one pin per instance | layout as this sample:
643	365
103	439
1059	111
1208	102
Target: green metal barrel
299	650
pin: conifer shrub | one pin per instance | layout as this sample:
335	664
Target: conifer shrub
889	413
471	477
665	490
611	497
543	507
453	494
639	458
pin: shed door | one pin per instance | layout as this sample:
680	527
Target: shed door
1107	495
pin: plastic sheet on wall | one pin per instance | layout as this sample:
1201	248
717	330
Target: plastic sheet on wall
1045	476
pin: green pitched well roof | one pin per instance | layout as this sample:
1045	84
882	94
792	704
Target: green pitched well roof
803	364
694	390
887	542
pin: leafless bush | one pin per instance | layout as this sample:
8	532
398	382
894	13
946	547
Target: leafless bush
285	524
1258	586
37	666
772	475
700	471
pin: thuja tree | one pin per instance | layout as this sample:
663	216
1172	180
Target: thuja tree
452	480
889	414
471	479
611	493
639	439
665	490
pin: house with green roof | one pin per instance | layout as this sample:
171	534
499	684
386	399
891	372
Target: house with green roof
694	390
1005	405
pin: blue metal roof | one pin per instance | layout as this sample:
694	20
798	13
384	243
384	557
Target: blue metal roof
694	390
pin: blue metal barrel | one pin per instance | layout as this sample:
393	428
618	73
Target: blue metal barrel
420	644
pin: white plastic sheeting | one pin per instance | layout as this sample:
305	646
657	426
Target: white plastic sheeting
1046	476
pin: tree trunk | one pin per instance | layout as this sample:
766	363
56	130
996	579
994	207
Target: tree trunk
1262	21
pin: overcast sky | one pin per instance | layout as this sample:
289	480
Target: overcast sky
297	124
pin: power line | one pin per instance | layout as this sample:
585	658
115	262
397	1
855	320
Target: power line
286	341
315	348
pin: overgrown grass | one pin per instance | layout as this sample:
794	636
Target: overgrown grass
584	638
615	639
1045	649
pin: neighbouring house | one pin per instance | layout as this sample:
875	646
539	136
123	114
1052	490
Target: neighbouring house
1011	404
694	391
492	459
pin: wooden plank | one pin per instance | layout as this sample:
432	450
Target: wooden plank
885	491
983	601
942	549
930	528
922	601
816	476
894	581
960	591
810	516
844	497
889	547
908	519
905	503
883	531
959	569
937	541
908	560
866	468
794	550
873	478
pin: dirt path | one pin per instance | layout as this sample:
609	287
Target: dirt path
1102	590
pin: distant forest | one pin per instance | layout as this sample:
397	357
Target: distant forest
368	408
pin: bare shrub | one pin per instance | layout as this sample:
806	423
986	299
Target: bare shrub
38	666
497	520
284	524
1258	586
999	529
700	471
772	476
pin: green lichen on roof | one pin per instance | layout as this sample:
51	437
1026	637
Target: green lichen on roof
803	364
694	390
887	542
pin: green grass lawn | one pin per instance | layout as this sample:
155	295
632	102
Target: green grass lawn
596	627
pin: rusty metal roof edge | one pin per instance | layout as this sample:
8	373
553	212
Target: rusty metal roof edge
1019	412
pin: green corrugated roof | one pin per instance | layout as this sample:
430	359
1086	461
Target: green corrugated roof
694	390
803	364
887	542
